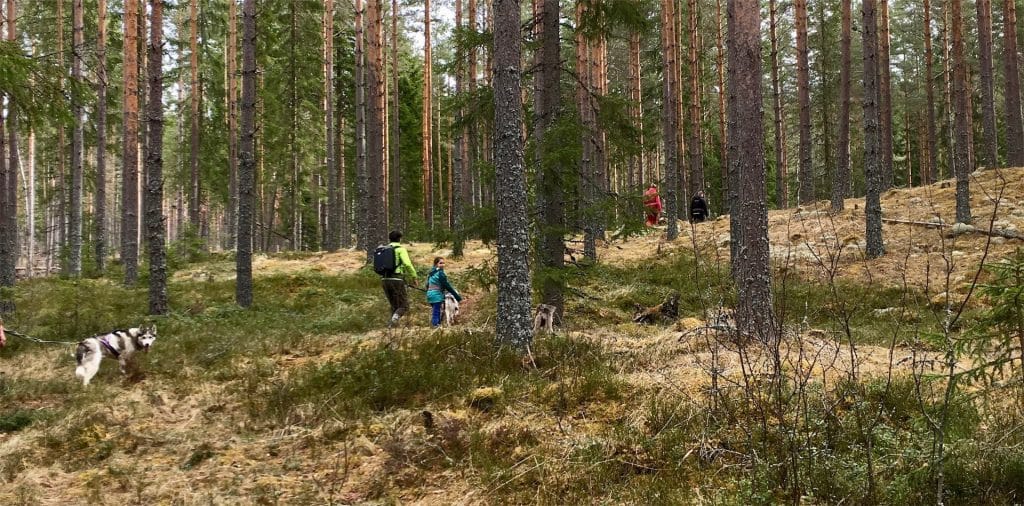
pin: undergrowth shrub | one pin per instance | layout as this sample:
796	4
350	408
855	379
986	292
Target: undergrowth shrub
440	368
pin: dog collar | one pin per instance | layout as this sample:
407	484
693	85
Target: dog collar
113	351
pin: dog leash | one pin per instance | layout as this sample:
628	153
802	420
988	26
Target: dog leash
15	333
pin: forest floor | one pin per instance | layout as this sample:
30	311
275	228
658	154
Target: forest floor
191	431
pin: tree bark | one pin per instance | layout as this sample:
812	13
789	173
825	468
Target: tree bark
806	190
962	119
696	179
929	165
9	250
514	289
247	161
232	102
395	203
362	182
376	228
155	222
669	121
74	265
781	185
549	174
332	241
196	96
720	66
100	205
754	312
872	159
990	150
841	180
1011	73
344	199
884	96
130	153
428	90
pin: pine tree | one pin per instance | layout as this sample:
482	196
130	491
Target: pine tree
428	89
196	92
841	178
333	235
781	180
884	96
155	222
100	206
377	215
231	55
962	119
669	120
514	289
929	167
247	160
989	150
549	182
872	158
806	190
754	312
1014	118
74	266
696	179
130	156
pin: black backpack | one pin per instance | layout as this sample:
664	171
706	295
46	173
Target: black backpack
384	260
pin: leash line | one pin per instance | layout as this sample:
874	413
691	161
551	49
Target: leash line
15	333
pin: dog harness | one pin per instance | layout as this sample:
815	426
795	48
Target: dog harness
113	351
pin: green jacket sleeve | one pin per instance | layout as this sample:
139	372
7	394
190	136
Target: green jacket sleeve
448	286
404	263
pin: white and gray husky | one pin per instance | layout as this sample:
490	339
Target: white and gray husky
119	344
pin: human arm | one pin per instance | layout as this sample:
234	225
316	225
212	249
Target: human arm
405	264
445	285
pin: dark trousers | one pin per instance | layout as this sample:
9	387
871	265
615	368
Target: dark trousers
435	315
398	296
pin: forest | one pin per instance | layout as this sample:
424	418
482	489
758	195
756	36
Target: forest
706	252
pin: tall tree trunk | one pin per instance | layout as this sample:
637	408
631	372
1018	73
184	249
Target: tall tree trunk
375	128
459	167
696	150
754	312
781	185
514	289
962	118
100	202
395	208
884	96
428	90
947	76
841	178
155	222
929	166
246	162
362	176
344	200
333	240
74	266
804	97
1011	73
549	173
872	158
196	89
637	175
469	186
232	102
293	141
61	189
130	153
990	151
30	198
724	162
669	122
9	250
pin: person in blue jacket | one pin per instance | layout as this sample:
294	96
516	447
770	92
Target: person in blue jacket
437	284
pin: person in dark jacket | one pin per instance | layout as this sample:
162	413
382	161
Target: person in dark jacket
437	285
395	283
698	207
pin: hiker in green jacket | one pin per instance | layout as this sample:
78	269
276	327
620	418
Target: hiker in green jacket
437	285
395	282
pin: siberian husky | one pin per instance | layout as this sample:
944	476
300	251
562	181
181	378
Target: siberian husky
451	309
119	344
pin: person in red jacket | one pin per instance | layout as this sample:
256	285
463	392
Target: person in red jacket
652	205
